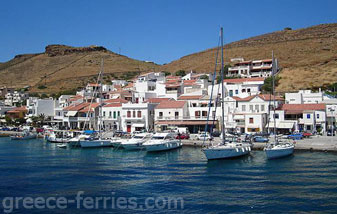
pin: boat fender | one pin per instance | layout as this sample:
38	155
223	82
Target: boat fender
237	150
249	149
243	149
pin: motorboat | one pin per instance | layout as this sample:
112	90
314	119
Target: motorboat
162	142
26	135
136	142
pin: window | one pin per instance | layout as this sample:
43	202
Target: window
251	120
176	115
160	114
317	116
262	107
197	114
243	107
204	113
308	116
109	113
243	90
114	115
251	107
230	93
134	113
118	113
139	114
248	90
236	91
128	114
277	116
257	108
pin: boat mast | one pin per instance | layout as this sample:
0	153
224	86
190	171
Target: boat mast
100	97
273	79
222	89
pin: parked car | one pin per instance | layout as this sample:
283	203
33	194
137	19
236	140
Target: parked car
260	139
307	134
5	129
204	135
183	136
296	136
216	134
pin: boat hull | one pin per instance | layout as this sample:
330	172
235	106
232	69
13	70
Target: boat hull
163	146
225	153
279	153
133	146
95	143
23	138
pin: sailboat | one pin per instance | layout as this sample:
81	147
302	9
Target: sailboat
276	148
95	139
229	147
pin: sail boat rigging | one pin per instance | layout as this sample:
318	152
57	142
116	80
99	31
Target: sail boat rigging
226	148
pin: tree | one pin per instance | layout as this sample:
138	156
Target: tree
180	73
204	77
166	73
9	120
267	87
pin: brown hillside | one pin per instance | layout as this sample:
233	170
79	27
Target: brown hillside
308	57
63	67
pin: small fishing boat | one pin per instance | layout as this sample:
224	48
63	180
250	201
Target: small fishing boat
26	135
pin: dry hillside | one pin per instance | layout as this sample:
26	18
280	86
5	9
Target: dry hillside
308	57
62	68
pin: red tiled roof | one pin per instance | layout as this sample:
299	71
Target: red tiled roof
239	99
118	100
189	82
93	85
157	100
267	60
113	105
92	107
241	80
291	108
172	85
18	109
171	104
191	97
268	97
76	107
74	98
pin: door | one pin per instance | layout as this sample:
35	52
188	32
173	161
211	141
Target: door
128	128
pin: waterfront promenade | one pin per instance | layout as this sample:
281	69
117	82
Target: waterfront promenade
315	143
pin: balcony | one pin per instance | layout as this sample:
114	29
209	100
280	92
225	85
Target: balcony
184	118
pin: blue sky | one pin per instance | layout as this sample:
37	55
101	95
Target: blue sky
154	30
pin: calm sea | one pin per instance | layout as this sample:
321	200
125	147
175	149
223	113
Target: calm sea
137	182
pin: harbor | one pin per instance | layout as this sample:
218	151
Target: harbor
251	184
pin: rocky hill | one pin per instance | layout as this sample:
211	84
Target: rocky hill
62	68
308	58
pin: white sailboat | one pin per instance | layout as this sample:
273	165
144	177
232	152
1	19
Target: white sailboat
136	142
94	140
278	148
228	147
162	142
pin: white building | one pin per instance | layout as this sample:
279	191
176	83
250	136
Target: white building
111	115
252	68
304	97
137	117
242	87
15	98
37	107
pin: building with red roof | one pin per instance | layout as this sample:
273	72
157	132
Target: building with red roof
251	68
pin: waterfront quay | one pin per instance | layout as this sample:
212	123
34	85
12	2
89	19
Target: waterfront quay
315	143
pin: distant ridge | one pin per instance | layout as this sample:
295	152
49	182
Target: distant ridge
307	56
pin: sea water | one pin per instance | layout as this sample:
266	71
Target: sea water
305	182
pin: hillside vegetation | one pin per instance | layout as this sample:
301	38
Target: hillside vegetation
307	57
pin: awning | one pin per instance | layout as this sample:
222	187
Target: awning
239	117
285	125
191	122
71	113
140	125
